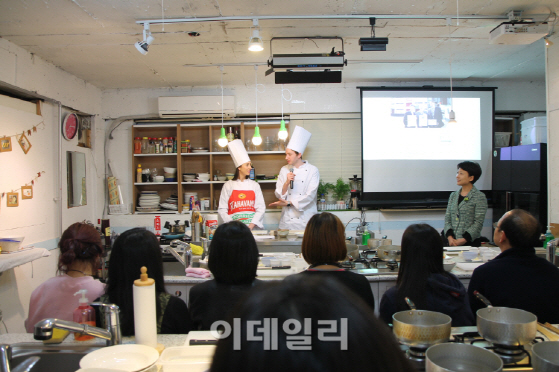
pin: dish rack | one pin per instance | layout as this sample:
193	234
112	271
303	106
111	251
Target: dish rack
119	209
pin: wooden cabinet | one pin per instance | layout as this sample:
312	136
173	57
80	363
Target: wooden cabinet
267	158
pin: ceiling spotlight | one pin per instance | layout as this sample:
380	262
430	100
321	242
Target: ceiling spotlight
142	46
255	43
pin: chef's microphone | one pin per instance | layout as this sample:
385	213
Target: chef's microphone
291	183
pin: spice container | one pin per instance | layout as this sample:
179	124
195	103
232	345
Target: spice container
145	145
137	145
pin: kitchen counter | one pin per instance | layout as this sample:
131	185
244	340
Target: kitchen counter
290	244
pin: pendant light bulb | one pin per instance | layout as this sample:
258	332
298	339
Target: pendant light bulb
222	141
452	117
256	139
282	135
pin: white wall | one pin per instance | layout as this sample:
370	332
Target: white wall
40	219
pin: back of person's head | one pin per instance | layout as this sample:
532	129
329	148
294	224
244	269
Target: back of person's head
80	242
422	255
133	249
521	228
324	240
306	324
472	168
233	254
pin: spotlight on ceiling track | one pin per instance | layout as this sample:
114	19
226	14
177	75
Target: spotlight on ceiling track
369	44
142	46
255	43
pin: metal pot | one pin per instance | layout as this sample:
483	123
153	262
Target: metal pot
389	253
420	328
545	356
505	326
177	228
452	357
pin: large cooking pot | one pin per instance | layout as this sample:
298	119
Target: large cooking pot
545	356
505	326
390	253
451	357
420	328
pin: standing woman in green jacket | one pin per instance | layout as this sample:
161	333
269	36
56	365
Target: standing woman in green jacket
466	208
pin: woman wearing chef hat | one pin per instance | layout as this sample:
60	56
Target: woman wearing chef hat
241	198
297	184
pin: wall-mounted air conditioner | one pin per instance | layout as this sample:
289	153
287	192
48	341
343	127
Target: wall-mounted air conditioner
196	106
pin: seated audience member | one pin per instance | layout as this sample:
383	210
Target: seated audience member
423	279
517	278
133	249
466	209
232	260
306	324
80	249
323	247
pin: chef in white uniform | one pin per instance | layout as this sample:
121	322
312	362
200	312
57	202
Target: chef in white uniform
297	184
241	198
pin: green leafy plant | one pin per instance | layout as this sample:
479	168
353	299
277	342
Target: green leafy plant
323	188
340	189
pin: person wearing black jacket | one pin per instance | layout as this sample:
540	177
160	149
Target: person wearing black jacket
517	278
423	279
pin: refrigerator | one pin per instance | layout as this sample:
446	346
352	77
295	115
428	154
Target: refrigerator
520	181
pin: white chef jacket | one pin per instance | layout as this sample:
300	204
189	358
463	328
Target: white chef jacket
243	201
302	196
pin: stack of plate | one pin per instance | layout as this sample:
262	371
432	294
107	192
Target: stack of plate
171	203
148	201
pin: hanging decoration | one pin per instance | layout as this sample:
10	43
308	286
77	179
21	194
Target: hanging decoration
6	141
13	199
24	143
5	144
26	192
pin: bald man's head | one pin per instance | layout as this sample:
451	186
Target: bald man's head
521	228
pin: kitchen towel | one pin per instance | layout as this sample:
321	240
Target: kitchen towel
145	321
197	272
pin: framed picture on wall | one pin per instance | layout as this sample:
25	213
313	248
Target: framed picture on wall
5	144
24	143
13	199
26	192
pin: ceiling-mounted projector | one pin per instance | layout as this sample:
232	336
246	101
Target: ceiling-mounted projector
517	33
308	62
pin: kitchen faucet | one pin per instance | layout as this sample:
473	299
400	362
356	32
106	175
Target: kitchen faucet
112	335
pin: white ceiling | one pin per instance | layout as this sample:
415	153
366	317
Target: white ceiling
94	39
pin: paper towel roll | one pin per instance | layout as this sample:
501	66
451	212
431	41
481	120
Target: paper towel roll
145	319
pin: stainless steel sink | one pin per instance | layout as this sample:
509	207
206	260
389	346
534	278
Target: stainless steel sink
173	269
59	358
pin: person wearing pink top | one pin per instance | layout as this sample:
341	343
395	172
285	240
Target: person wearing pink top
80	250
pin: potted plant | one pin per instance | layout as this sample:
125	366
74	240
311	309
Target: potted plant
323	189
340	189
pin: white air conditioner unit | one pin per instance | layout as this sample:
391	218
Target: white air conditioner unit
517	33
196	106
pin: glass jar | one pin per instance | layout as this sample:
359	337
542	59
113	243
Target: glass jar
145	145
165	141
230	134
137	145
151	146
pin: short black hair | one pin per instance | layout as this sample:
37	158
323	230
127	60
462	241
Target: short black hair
233	254
308	301
521	228
472	168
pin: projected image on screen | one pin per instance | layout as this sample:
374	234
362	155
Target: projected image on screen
421	127
411	148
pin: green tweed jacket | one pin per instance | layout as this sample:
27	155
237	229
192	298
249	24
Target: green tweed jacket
467	217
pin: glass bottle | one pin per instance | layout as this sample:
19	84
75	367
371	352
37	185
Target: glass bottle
151	146
145	145
161	149
156	145
230	134
165	141
237	134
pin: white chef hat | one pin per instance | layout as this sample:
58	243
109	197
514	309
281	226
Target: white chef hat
238	152
299	139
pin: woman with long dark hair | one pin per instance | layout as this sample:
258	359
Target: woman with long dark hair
233	261
323	247
423	279
80	249
132	250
